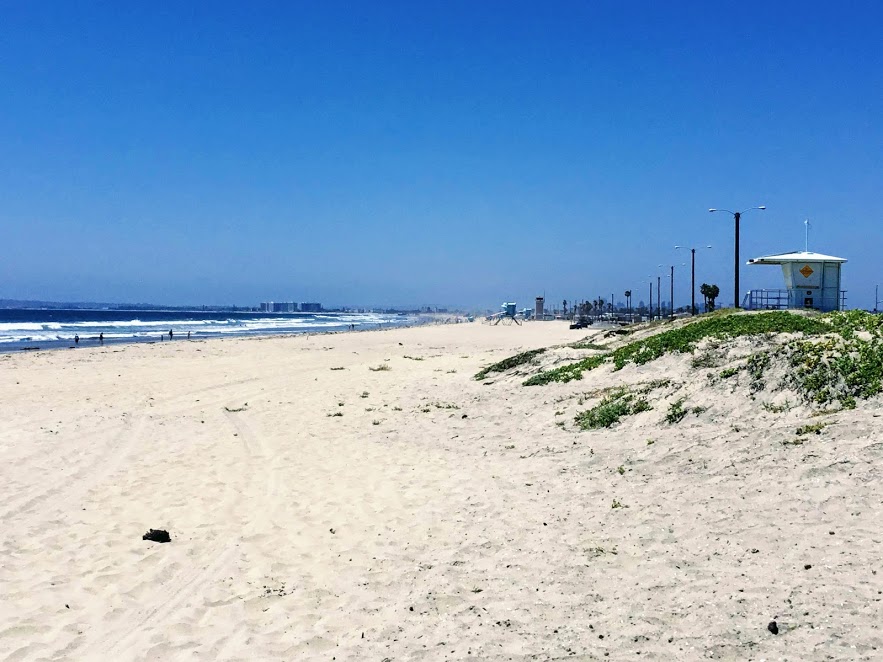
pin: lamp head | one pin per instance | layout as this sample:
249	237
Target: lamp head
712	210
762	207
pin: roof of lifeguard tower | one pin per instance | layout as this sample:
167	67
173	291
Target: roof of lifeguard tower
796	256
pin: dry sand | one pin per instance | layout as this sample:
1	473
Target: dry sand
437	518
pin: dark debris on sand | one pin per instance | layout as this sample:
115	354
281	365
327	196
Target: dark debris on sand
157	535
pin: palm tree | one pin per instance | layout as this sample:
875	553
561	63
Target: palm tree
710	292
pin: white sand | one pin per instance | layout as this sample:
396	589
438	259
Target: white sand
464	524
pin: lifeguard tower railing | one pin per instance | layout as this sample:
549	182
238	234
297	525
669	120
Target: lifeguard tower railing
781	300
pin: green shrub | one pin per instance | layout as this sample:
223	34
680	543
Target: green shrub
640	405
588	345
776	409
684	339
567	373
757	364
841	369
511	362
707	359
811	428
610	410
676	412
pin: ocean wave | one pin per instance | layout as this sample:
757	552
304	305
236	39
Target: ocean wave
137	329
21	326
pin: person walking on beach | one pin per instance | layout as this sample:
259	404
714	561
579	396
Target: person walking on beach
188	335
101	337
76	339
170	334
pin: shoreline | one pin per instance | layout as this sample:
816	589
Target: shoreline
28	346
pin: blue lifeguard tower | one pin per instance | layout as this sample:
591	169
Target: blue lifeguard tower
507	314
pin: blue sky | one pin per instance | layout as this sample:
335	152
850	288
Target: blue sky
451	153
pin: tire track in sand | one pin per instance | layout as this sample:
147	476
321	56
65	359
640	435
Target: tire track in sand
107	459
163	605
103	462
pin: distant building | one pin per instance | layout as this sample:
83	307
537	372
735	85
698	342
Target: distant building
311	307
278	307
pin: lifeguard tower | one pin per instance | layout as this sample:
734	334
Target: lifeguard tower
812	280
507	315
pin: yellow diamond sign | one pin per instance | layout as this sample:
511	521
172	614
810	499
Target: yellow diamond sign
806	271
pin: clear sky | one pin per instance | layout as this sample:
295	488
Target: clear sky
432	152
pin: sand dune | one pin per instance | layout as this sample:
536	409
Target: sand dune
323	508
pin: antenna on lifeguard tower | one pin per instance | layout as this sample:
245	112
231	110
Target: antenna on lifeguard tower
806	246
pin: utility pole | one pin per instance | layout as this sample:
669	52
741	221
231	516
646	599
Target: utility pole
650	310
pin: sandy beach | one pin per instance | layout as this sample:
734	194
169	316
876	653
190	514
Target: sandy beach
360	496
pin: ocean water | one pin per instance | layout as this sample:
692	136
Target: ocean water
48	329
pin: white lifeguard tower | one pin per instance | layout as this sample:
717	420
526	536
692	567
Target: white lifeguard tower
812	280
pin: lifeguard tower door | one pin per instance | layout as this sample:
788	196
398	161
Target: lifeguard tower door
831	287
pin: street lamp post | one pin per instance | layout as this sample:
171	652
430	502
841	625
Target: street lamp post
692	278
658	298
737	216
650	310
671	301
